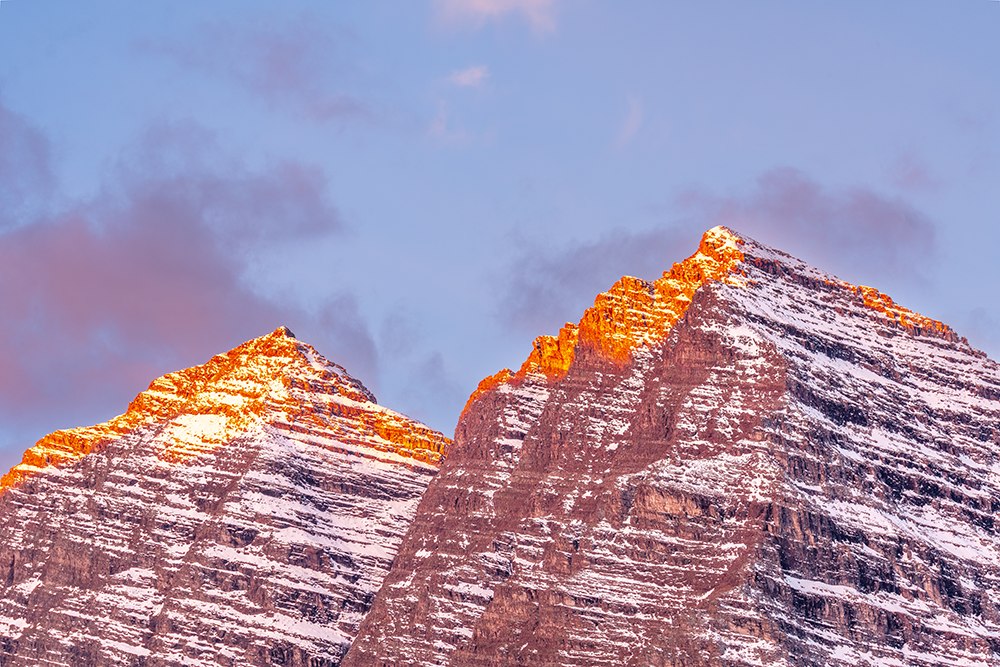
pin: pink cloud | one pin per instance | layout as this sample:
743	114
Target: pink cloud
150	276
472	77
540	14
912	175
26	179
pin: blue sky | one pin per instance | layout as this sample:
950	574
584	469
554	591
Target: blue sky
418	189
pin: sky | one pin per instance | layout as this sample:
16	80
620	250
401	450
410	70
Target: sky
419	189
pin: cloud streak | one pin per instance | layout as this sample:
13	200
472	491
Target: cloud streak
633	121
912	175
27	182
471	77
445	132
540	14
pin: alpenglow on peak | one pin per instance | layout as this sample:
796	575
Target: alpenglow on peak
241	512
747	462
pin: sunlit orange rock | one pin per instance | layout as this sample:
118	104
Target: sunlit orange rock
632	313
274	381
241	512
884	304
747	462
636	312
487	384
552	355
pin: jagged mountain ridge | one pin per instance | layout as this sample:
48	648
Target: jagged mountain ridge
747	462
242	512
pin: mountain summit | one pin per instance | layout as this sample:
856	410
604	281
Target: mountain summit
746	462
241	512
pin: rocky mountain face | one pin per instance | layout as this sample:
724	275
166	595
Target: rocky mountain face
243	512
746	462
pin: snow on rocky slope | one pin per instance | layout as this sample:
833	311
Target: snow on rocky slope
243	512
746	462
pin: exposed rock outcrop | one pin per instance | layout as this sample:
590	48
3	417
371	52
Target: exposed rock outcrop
747	462
242	512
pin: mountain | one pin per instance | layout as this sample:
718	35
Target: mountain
746	462
242	512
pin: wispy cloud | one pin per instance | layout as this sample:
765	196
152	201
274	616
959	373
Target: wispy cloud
27	182
473	77
546	286
540	14
632	123
444	131
856	231
296	63
423	384
911	174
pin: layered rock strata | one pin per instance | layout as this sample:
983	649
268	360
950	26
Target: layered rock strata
747	462
242	512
